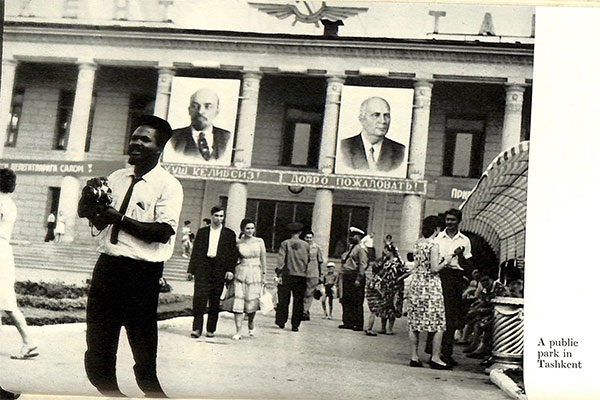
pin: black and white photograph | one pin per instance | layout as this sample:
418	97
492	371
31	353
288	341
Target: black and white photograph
374	131
202	113
242	199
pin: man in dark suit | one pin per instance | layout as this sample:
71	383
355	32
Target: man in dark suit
212	262
370	149
202	140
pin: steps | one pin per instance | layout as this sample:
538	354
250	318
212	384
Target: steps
70	257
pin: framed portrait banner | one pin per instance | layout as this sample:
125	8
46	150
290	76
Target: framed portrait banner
203	114
374	131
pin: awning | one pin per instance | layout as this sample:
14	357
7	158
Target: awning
497	207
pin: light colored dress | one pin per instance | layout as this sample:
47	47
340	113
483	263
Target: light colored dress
425	297
247	284
60	225
8	215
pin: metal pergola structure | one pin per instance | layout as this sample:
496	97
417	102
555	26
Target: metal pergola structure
496	209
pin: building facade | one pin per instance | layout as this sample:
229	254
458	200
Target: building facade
72	89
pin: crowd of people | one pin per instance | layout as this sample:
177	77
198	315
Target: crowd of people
229	273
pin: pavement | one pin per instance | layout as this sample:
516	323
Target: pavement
319	362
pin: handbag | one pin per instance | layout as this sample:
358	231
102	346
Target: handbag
227	297
266	302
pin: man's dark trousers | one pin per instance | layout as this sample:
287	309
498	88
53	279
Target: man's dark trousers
452	286
294	286
123	292
207	297
353	297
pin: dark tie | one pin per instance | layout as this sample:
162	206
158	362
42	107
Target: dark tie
372	155
115	231
203	146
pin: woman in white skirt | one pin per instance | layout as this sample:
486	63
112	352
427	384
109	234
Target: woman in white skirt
8	298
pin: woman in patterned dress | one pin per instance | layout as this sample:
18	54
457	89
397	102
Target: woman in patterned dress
249	278
425	296
392	291
8	299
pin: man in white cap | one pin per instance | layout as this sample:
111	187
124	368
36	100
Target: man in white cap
354	265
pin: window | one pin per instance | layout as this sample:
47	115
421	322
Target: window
63	119
272	217
139	104
302	137
53	198
16	109
88	136
464	147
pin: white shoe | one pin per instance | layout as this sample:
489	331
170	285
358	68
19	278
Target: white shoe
236	337
251	332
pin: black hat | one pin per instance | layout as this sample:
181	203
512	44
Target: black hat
162	127
295	226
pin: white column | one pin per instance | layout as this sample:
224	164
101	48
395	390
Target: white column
81	111
244	143
163	91
511	130
412	205
9	68
70	189
323	208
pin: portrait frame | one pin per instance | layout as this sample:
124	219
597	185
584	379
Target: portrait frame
178	116
400	101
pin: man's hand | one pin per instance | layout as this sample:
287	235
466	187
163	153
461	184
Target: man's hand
189	277
228	276
110	215
458	252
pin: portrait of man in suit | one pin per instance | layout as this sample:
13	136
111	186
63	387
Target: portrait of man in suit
371	149
201	141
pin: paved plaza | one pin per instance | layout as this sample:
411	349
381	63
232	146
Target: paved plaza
319	362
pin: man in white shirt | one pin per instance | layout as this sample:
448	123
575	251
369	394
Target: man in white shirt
135	241
201	142
212	263
455	252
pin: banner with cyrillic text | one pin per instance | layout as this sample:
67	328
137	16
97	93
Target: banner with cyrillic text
302	179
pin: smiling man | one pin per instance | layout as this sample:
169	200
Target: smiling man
201	140
370	149
137	237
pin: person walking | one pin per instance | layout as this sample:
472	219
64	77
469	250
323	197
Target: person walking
425	297
50	225
212	263
352	293
313	273
249	279
134	243
8	298
60	229
292	264
186	239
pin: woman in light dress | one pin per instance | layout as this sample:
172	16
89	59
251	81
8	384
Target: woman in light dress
59	231
249	278
8	298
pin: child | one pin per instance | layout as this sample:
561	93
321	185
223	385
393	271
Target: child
186	239
329	280
374	295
